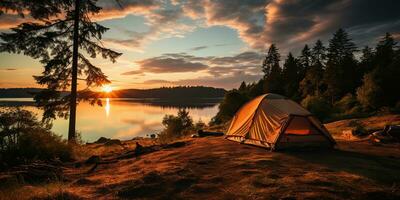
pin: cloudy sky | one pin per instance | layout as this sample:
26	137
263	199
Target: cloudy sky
211	42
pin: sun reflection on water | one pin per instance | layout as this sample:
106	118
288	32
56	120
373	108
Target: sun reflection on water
107	107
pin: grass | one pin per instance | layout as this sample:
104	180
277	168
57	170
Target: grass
54	190
369	124
212	167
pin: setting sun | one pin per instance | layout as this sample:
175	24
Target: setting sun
107	88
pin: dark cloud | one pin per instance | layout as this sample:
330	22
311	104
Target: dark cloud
292	23
225	72
242	58
137	72
168	65
249	61
10	69
198	48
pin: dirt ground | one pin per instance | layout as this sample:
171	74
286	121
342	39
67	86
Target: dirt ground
215	168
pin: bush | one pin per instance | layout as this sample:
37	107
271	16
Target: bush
231	103
176	126
200	125
318	106
369	94
24	139
346	104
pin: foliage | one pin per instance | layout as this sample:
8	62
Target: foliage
231	103
176	126
23	139
272	71
346	104
317	105
311	83
291	73
369	93
341	75
63	37
199	125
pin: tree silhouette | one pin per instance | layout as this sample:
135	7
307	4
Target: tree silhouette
305	59
60	30
341	76
291	77
312	81
272	71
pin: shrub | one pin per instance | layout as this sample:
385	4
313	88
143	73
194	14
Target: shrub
200	125
231	103
346	104
24	139
370	92
176	126
318	106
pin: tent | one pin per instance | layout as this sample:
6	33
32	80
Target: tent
276	122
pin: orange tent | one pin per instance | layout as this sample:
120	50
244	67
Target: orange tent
276	122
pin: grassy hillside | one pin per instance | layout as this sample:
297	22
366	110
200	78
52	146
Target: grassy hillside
214	168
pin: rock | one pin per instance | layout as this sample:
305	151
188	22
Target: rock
102	140
113	142
175	145
93	160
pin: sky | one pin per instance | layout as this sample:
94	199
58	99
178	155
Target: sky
217	43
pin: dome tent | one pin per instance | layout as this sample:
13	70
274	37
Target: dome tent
276	122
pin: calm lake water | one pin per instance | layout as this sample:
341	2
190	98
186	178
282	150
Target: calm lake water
122	118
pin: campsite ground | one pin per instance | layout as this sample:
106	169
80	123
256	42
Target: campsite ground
214	168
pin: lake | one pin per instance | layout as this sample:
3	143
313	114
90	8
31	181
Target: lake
122	118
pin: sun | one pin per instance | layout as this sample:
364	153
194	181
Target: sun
107	88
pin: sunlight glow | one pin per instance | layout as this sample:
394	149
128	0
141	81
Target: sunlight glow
107	88
107	107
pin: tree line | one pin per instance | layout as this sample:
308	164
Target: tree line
328	80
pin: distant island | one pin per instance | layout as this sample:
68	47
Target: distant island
161	93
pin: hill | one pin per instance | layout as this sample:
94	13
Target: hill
18	92
165	92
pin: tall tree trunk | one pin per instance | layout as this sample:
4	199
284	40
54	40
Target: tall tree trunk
72	109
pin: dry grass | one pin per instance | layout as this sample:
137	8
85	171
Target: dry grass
214	168
369	124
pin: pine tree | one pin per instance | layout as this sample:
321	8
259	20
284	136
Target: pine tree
305	59
385	51
367	60
379	88
290	76
318	54
272	71
388	69
341	75
61	30
311	84
243	87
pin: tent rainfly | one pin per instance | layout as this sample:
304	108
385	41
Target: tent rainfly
276	122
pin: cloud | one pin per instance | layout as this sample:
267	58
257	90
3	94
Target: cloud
198	48
10	69
291	23
133	73
114	10
9	21
182	62
168	63
229	81
227	72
